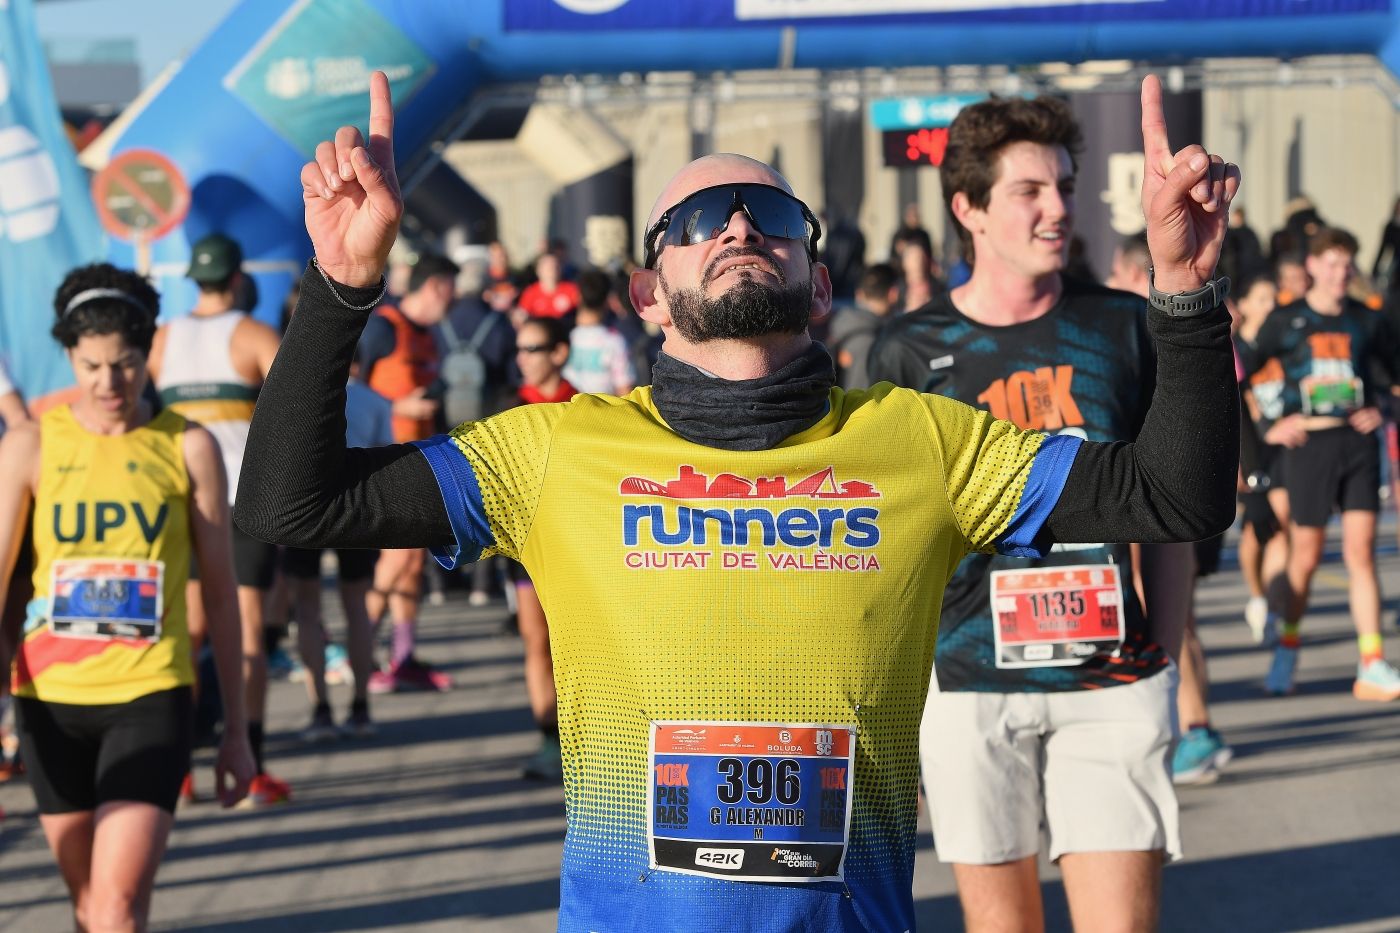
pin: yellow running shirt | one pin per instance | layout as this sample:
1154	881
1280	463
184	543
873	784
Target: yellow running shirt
111	557
742	639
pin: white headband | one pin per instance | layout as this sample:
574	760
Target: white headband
92	294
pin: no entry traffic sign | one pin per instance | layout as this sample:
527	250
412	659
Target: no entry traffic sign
140	196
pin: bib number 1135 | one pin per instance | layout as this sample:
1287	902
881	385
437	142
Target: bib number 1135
1056	616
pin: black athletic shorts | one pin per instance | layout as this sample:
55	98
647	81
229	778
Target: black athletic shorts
355	564
1336	468
254	561
81	756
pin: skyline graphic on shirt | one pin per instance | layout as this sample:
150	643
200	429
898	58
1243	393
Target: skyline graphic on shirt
692	484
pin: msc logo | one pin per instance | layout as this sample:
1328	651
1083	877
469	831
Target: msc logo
729	859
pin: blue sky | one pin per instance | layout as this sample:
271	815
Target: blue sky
164	30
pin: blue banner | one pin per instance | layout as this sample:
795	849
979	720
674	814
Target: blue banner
569	15
47	221
311	70
912	113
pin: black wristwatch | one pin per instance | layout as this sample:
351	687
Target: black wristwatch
1187	304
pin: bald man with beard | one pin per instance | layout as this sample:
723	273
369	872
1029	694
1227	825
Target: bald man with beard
742	564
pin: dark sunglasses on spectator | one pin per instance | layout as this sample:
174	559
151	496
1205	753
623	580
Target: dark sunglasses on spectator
534	348
706	213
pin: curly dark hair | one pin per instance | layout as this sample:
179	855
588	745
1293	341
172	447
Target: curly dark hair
980	132
134	319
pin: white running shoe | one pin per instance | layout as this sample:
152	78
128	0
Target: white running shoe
1263	625
1377	681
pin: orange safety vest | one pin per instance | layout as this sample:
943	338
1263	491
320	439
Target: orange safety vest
412	365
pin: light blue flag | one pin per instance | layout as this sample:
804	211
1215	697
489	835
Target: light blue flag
47	221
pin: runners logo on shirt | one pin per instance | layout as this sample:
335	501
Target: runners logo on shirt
1035	400
793	535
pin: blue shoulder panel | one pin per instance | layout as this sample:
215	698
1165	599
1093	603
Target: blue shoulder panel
1049	471
462	498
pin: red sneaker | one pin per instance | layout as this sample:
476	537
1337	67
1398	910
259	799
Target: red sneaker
187	794
413	674
383	681
266	791
409	675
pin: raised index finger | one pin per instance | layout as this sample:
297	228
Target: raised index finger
1155	145
381	121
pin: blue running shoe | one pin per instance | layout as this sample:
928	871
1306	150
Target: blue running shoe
280	665
337	665
1200	756
1282	672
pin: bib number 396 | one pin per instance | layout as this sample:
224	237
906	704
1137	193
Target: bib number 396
760	781
750	801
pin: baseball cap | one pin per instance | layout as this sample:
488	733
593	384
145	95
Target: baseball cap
214	259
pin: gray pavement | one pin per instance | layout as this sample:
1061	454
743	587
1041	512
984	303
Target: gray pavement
429	827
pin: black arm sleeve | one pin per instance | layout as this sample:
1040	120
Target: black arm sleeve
300	485
1177	481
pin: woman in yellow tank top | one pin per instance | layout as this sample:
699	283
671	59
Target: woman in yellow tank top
102	672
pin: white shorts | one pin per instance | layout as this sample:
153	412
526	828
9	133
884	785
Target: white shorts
1089	767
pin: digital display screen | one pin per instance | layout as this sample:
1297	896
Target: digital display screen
914	147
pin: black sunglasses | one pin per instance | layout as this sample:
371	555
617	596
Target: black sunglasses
534	348
705	215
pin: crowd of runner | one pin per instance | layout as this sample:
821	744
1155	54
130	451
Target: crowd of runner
1065	504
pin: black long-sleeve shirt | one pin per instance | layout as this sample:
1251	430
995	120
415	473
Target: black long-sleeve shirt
301	486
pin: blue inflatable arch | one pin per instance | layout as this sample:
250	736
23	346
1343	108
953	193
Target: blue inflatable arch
235	120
